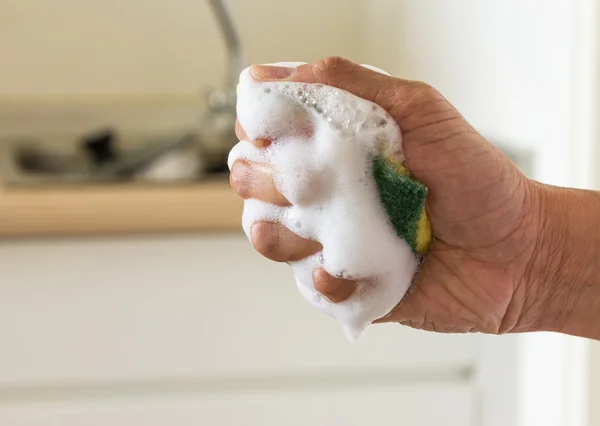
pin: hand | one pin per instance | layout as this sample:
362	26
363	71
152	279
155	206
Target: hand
484	212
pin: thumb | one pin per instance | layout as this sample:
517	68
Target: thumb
386	91
423	114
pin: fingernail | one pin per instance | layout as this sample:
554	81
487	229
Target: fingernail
269	72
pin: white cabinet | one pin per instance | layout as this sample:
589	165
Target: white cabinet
178	308
407	406
201	330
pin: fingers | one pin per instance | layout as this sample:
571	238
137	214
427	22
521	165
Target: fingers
334	289
275	242
272	240
253	180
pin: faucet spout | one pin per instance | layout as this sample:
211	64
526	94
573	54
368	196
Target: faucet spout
232	42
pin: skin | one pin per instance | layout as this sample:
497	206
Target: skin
504	257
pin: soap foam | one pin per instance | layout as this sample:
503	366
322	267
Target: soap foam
324	141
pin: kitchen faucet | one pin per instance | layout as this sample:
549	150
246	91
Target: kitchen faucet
207	141
217	120
232	41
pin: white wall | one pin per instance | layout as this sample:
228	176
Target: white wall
157	46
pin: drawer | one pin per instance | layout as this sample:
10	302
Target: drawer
414	406
203	306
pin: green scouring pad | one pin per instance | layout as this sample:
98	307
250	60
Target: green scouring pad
404	201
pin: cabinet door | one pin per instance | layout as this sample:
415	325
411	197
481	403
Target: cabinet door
407	406
204	307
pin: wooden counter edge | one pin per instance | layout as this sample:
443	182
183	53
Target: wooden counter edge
119	209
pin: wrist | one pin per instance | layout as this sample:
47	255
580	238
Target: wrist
564	270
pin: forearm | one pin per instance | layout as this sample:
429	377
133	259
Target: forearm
566	288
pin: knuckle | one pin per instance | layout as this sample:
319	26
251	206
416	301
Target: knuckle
332	62
421	85
261	143
326	67
424	91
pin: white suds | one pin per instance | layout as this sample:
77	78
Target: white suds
324	141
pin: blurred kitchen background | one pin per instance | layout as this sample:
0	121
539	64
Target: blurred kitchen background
128	294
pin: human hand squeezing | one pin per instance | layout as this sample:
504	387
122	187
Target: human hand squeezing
480	272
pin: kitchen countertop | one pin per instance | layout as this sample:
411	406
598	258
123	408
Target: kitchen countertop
209	205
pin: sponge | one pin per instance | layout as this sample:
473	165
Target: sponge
338	159
404	201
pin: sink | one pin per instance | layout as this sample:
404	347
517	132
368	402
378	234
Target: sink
71	144
90	158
